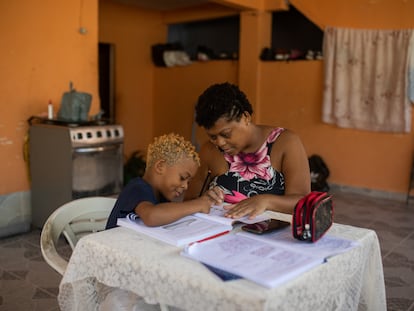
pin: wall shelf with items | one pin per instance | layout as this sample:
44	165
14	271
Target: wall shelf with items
294	37
212	39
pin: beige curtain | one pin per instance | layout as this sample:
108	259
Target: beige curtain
366	79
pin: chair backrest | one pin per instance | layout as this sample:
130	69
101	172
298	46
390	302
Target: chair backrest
74	220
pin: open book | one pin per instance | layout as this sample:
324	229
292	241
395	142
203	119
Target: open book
188	229
268	260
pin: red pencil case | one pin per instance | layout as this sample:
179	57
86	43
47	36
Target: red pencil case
312	216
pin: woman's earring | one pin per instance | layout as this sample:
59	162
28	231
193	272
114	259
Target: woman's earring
248	118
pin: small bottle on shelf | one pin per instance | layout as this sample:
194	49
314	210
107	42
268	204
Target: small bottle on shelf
50	110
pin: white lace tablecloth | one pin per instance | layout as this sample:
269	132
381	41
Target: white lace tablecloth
125	259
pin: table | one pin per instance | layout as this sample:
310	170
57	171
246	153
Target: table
157	272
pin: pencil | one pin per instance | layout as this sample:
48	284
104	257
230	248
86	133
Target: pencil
211	237
204	187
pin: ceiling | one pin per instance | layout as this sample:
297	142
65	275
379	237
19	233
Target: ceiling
163	5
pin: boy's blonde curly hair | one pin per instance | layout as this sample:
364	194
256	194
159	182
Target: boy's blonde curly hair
171	148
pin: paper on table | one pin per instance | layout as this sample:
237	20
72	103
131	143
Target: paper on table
255	260
327	246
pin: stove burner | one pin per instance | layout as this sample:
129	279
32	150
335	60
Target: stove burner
83	134
95	135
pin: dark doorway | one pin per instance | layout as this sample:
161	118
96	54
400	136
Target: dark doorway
106	81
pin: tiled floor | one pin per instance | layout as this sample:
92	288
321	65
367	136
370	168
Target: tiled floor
28	283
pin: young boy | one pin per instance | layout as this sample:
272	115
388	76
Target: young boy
170	164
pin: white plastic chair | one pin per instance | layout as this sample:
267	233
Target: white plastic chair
74	220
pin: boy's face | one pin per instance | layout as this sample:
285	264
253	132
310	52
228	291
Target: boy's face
175	178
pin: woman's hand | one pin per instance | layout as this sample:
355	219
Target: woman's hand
215	195
211	197
250	207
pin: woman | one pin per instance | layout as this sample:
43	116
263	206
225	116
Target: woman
258	167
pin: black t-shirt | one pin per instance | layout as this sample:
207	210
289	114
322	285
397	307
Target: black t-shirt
135	192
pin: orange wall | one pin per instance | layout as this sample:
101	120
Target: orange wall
392	14
132	31
290	95
293	98
178	88
41	51
357	158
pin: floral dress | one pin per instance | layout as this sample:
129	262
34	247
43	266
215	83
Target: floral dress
250	174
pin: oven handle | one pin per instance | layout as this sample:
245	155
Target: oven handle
96	149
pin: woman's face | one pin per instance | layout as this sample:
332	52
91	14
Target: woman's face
229	136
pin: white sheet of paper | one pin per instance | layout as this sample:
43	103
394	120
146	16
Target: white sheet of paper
256	260
327	246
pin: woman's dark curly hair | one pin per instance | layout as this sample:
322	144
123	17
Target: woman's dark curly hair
221	100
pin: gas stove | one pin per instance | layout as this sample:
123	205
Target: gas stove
90	133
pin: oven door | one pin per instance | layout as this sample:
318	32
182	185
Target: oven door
97	170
